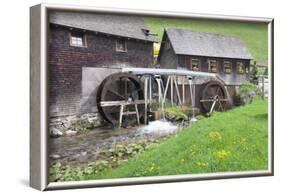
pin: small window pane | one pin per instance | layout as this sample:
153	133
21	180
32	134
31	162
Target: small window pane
240	68
213	66
227	66
121	45
195	65
77	39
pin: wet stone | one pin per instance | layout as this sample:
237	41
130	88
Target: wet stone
70	132
54	132
55	156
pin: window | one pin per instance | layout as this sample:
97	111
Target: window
78	39
121	46
213	66
195	65
240	67
227	67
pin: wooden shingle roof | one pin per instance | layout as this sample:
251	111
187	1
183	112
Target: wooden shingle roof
187	42
117	25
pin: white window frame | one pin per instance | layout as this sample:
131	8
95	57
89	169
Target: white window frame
75	40
209	64
122	42
227	63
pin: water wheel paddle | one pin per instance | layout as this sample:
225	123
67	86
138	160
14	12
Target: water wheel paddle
213	97
120	88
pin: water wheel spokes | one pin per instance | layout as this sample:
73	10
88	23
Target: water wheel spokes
213	97
116	90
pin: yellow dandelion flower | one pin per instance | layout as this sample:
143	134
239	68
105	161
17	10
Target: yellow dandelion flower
222	154
214	135
201	164
152	167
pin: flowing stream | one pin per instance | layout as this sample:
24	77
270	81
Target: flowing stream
84	148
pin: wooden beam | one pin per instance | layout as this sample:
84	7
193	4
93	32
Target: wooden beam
211	100
122	102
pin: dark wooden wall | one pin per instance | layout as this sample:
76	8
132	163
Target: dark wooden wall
167	56
233	78
66	62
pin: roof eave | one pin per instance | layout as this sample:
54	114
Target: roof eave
105	33
191	54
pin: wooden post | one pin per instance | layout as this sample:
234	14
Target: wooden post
183	92
159	92
121	115
145	100
172	90
193	92
137	114
150	92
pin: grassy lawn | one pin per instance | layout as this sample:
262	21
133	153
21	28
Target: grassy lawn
254	35
231	141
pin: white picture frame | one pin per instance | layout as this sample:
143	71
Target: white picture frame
39	100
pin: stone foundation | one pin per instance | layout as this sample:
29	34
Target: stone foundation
70	125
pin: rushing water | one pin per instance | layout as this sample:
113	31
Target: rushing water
159	128
161	99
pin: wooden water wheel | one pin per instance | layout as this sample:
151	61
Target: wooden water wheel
120	90
213	97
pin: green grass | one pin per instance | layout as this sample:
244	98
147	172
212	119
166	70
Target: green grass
231	141
254	35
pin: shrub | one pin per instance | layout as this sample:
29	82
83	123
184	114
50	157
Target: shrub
265	71
246	93
175	113
247	87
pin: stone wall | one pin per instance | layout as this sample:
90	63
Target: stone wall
70	125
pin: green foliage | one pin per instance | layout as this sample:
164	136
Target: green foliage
246	88
265	71
125	150
246	93
82	126
177	112
200	117
155	105
114	157
68	173
254	71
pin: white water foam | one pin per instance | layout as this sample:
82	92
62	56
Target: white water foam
159	127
